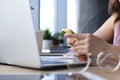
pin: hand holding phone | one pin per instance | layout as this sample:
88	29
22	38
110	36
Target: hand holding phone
70	41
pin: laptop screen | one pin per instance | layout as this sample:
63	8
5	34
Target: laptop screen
18	44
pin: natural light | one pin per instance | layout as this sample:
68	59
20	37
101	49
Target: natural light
72	14
48	14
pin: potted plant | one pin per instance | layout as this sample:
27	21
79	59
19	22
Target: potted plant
47	35
47	39
57	38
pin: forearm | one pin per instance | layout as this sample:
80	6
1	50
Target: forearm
112	49
105	32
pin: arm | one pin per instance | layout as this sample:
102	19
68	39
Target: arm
96	42
106	32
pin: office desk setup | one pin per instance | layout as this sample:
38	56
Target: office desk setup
20	46
15	70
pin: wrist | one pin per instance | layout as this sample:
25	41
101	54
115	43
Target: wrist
107	48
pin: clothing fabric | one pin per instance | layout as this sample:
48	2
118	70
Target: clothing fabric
92	14
116	40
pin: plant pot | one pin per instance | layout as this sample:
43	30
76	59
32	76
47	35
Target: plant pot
47	44
56	42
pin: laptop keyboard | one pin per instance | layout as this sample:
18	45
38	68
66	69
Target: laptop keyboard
51	62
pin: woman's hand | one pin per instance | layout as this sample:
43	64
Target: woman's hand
87	43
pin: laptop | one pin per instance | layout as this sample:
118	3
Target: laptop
18	42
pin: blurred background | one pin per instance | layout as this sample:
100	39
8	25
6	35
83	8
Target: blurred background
79	15
84	16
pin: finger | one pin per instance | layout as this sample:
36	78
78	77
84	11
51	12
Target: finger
70	42
80	42
79	47
80	52
76	53
78	36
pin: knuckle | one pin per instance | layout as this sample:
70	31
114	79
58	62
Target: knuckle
78	35
87	48
89	38
89	35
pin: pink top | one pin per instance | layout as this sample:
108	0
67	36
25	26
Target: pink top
116	40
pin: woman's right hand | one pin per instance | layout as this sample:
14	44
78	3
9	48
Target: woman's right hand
86	44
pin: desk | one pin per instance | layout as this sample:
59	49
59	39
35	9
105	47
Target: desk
6	69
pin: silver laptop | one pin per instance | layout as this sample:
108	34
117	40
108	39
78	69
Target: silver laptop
18	43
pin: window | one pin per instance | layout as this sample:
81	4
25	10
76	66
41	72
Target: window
47	14
72	14
58	14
